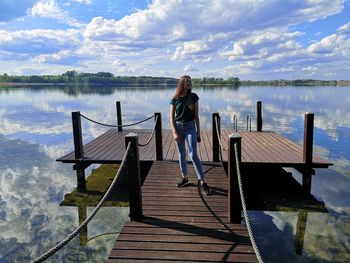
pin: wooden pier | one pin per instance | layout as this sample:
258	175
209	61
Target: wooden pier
182	225
177	225
258	148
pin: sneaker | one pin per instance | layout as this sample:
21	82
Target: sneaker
206	189
183	182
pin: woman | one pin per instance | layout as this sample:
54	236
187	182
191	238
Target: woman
184	121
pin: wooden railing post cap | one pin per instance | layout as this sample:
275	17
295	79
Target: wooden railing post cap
131	134
234	136
309	113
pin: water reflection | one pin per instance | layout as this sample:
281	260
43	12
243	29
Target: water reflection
32	185
302	236
300	232
35	129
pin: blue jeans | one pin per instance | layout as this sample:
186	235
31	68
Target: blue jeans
187	132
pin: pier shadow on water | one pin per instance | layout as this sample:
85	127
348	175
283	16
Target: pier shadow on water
97	184
277	190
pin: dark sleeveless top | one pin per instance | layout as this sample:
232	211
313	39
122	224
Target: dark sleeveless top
183	113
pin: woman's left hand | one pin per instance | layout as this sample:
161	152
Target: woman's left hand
198	136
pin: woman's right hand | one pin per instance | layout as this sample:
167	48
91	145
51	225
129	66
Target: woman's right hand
176	136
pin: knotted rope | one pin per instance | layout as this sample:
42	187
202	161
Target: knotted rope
246	218
150	137
116	126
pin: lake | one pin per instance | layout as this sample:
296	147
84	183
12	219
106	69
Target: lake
35	129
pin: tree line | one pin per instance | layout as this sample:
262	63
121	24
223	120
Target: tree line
296	82
100	78
107	78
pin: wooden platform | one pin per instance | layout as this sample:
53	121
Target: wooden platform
182	225
268	148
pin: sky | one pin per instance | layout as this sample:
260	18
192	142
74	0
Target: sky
249	39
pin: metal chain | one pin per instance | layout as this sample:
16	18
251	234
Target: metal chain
64	242
150	138
246	218
218	134
116	126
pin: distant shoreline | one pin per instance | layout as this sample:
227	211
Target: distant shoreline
74	78
35	84
242	84
72	84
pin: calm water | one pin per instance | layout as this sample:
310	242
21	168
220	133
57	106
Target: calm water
35	129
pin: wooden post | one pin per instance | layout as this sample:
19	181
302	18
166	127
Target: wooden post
119	116
234	198
216	146
235	122
300	232
134	178
259	120
308	137
307	151
78	151
159	141
82	214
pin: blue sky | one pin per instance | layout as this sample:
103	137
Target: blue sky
250	39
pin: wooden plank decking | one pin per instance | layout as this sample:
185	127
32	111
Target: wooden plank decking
182	225
257	148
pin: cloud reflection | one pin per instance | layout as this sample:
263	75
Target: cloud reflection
324	238
32	186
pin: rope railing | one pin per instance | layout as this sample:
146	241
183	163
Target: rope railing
218	134
151	136
115	126
246	218
104	234
64	242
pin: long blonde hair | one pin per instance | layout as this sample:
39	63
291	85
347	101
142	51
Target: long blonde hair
185	82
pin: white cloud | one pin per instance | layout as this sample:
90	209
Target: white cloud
174	20
119	63
262	44
190	48
5	55
285	69
335	45
309	68
87	2
50	9
326	45
330	74
240	69
64	57
190	68
38	41
344	29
